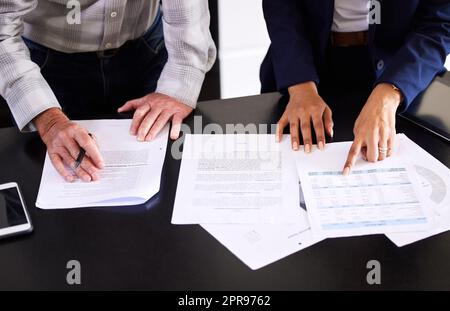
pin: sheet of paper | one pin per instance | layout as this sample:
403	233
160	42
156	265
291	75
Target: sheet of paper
375	198
131	175
258	245
236	179
435	182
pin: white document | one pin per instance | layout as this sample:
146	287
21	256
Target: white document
261	244
435	182
236	179
375	198
131	174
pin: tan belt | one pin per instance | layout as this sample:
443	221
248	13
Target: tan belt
346	39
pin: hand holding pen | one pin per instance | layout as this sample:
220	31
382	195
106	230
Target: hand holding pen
69	146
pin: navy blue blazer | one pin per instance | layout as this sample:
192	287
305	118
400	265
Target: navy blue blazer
408	48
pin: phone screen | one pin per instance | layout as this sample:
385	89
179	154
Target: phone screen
12	212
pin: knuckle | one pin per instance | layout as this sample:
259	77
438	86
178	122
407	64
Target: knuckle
301	111
91	170
316	110
83	142
353	151
73	127
140	111
167	114
282	120
305	127
318	124
62	135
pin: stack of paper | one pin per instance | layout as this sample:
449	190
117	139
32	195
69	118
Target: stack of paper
435	185
382	197
405	196
131	175
244	191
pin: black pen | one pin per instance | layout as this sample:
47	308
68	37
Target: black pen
80	156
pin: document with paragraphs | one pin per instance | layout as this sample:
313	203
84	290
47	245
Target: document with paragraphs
235	179
131	174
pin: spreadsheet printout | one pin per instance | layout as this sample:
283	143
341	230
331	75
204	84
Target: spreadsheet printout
375	198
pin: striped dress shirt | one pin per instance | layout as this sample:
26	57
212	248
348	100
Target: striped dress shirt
102	25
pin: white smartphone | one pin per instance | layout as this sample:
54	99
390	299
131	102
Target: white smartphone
14	218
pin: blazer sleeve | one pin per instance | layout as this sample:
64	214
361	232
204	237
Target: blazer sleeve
424	52
291	51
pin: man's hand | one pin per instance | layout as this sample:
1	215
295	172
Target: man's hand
63	139
152	112
375	127
306	106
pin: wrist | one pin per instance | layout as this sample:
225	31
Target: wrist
302	88
47	119
390	94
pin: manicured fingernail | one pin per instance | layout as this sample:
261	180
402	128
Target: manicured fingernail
346	171
69	178
295	145
149	137
331	132
307	148
140	138
87	178
320	145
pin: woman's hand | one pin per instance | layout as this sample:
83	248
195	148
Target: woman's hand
306	106
375	127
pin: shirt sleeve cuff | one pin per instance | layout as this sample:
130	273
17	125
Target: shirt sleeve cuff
181	82
29	100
